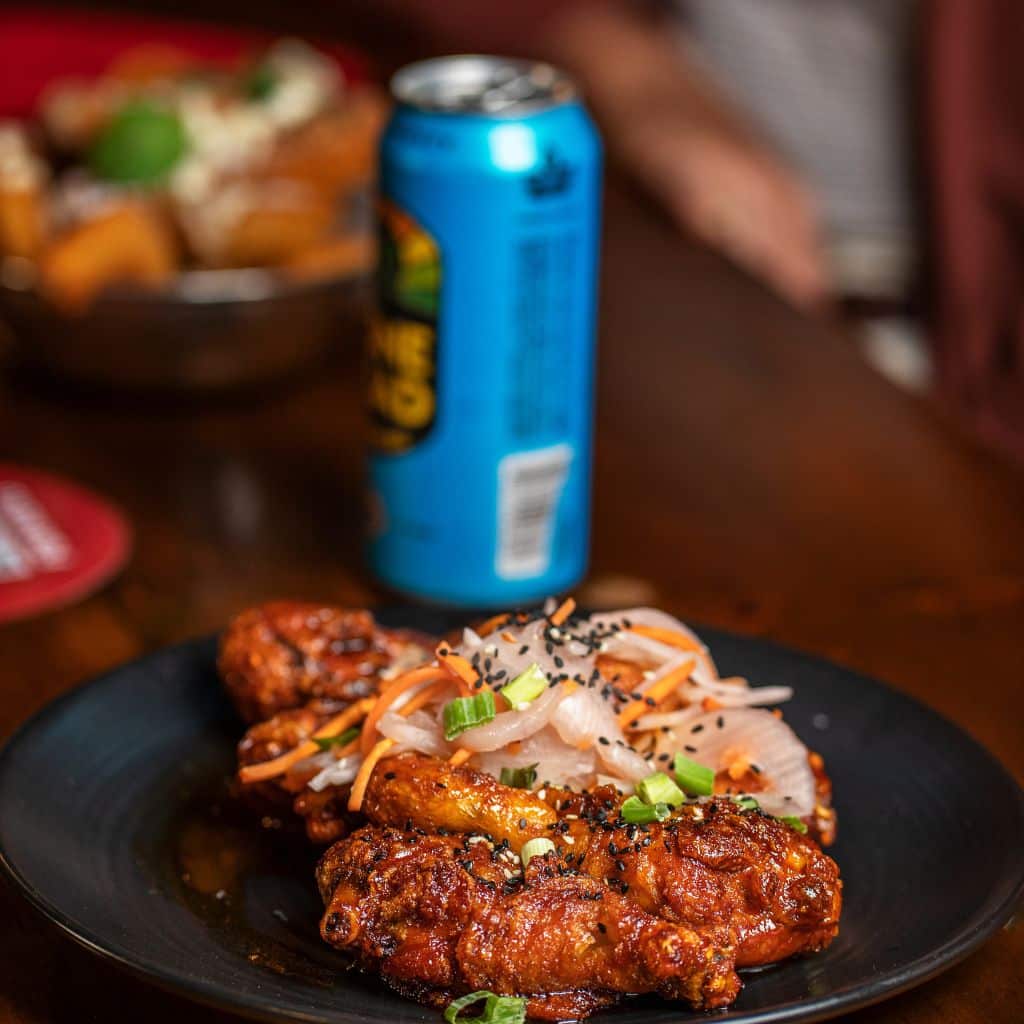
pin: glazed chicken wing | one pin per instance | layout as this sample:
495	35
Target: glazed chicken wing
711	866
439	915
418	791
282	654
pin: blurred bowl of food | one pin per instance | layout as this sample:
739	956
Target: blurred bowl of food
178	223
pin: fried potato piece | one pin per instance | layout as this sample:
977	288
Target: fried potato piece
441	915
129	243
337	151
23	221
334	257
274	233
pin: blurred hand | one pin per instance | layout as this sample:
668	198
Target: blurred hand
737	197
668	122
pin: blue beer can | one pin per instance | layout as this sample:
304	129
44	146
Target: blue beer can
481	359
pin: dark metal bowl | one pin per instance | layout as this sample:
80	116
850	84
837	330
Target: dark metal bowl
209	330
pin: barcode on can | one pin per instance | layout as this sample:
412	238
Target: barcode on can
530	485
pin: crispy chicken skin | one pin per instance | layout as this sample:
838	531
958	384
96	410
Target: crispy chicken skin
282	654
419	791
770	888
432	892
709	865
323	814
439	915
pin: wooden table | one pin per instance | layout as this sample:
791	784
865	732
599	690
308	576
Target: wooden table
751	474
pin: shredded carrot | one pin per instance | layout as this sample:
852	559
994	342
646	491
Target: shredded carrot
406	681
461	756
457	664
509	638
338	724
562	612
667	636
570	685
355	798
710	704
657	693
493	623
515	746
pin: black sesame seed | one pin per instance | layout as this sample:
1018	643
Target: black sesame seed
696	728
524	648
604	741
720	722
390	775
689	749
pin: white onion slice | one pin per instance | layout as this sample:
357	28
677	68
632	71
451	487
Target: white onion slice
509	726
556	763
625	763
340	773
667	719
584	716
312	764
420	731
757	736
705	670
734	696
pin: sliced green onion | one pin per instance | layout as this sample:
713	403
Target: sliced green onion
343	740
693	778
636	812
536	848
526	687
519	778
497	1009
660	789
794	822
465	712
261	82
746	803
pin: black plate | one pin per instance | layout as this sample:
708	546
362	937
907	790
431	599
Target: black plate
115	791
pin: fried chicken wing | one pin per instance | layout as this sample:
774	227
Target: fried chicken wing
282	654
439	915
323	814
427	793
709	866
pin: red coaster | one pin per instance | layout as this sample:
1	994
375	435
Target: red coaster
58	543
